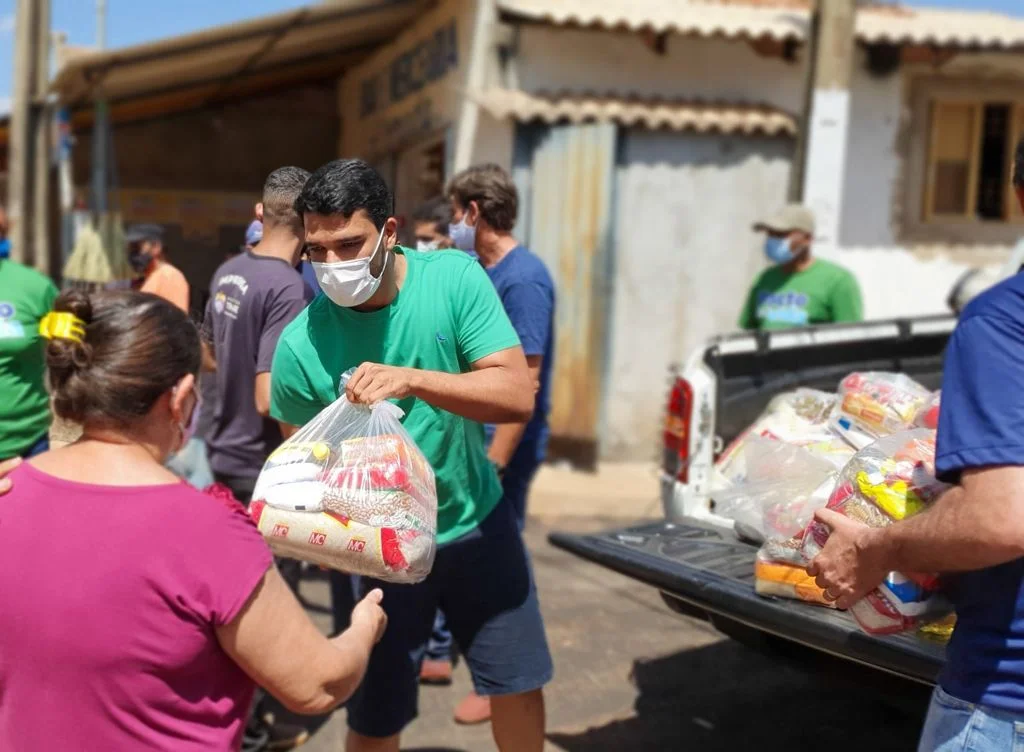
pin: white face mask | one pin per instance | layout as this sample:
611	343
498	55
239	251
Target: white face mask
427	245
350	283
463	236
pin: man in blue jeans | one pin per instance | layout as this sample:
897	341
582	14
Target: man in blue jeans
484	204
975	531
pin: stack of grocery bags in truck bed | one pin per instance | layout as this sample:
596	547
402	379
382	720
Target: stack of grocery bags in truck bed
867	452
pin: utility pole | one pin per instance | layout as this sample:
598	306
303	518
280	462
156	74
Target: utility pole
100	125
20	149
43	137
824	167
796	172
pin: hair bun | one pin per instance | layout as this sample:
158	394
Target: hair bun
65	356
75	302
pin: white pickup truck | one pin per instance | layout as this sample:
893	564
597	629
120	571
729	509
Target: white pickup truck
693	556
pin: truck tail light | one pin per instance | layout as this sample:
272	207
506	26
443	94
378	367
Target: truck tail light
676	460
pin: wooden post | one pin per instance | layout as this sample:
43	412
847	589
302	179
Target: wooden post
41	122
825	168
798	168
20	149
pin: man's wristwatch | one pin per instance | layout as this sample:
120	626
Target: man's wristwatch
499	469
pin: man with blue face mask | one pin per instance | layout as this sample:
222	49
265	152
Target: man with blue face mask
798	289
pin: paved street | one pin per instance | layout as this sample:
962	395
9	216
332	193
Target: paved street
632	675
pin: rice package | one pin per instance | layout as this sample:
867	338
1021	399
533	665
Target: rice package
351	491
881	403
889	480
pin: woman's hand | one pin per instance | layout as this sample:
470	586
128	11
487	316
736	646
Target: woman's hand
5	469
369	615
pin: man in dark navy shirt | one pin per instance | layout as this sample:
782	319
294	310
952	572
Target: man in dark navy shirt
975	531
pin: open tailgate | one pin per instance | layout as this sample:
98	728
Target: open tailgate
711	570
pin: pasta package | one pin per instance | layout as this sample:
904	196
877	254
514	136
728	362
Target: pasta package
882	403
351	491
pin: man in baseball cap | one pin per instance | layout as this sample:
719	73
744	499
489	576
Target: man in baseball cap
159	277
798	289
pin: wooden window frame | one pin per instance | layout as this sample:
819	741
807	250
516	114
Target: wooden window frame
919	224
973	160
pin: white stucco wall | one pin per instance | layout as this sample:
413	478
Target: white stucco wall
495	141
896	280
685	258
605	62
684	254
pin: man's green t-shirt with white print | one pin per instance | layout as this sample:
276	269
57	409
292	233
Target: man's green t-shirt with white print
823	293
447	316
25	297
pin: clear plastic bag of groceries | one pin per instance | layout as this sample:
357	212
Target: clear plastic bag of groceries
889	480
881	403
351	491
781	487
799	418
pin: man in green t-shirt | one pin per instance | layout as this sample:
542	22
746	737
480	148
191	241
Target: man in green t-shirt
25	297
429	331
798	289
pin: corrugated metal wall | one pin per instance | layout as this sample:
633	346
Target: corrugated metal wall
567	221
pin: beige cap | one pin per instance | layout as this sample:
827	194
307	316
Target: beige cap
790	217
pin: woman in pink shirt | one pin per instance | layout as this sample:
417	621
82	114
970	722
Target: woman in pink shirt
135	612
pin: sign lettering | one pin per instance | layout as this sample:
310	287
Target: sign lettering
429	60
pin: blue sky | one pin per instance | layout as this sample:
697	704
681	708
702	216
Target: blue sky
134	21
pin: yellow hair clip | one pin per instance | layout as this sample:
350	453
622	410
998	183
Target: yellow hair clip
62	325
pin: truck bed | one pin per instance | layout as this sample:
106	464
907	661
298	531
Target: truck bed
712	572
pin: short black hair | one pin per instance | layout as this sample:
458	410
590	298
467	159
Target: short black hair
343	187
437	210
280	191
1018	165
494	192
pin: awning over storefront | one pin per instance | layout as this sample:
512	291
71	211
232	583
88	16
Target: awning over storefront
943	28
701	117
319	40
680	16
776	19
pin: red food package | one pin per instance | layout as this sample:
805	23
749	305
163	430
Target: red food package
928	417
876	615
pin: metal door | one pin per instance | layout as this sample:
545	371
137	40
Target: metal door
567	221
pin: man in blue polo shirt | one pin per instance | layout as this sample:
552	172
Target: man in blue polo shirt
975	532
